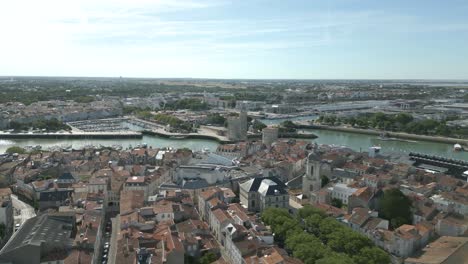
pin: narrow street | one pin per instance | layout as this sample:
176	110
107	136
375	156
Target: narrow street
113	239
21	210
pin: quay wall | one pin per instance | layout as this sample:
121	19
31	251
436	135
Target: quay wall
185	136
390	134
287	135
72	136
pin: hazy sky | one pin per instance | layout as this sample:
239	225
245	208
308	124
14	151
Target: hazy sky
311	39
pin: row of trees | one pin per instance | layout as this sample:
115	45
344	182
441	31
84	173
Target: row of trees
313	237
288	126
162	119
188	103
215	119
401	122
173	122
48	124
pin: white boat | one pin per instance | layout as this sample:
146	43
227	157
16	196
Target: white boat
457	147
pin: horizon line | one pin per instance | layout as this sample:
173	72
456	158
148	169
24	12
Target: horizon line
247	79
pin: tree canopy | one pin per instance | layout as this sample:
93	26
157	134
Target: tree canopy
215	119
313	237
395	207
258	125
15	149
401	122
208	258
337	202
193	104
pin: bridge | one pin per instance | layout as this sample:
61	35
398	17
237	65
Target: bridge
455	167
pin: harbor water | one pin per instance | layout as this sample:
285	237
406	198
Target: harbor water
357	142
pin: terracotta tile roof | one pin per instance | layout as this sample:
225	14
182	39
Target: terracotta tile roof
440	250
214	202
130	200
163	207
407	232
276	255
221	215
228	193
208	194
236	210
329	210
359	216
135	179
364	194
5	192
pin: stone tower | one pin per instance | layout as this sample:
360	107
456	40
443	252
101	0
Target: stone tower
243	124
269	135
311	181
237	127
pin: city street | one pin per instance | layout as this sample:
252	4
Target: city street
113	239
22	210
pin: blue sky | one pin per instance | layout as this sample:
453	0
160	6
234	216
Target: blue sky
309	39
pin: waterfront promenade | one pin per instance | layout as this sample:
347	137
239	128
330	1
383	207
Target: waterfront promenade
204	132
74	134
398	135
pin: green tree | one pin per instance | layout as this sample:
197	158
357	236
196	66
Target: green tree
403	118
286	227
208	258
325	180
372	255
395	207
335	259
313	237
310	252
193	104
270	215
312	224
336	202
84	99
309	210
258	125
15	149
287	127
215	119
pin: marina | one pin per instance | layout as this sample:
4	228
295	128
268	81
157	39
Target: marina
127	132
358	142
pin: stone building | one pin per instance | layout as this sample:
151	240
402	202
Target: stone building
269	135
6	214
237	127
311	181
260	193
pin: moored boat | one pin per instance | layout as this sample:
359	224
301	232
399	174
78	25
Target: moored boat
457	147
